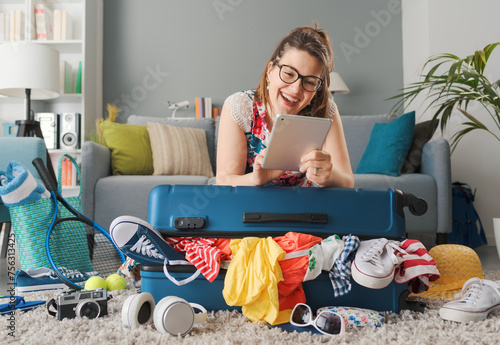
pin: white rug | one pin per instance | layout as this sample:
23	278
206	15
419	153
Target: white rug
224	327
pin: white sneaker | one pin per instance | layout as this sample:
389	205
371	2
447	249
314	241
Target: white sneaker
374	263
479	297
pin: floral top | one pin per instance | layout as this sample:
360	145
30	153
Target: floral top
250	115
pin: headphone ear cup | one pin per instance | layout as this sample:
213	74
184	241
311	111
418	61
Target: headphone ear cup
174	315
138	310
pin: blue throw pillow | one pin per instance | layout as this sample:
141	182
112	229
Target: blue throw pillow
388	146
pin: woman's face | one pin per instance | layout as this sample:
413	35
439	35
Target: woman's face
291	98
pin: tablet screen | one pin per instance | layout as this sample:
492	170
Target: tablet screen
292	137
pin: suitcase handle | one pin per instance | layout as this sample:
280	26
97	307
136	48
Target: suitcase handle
264	217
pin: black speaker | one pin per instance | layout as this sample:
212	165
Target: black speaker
69	131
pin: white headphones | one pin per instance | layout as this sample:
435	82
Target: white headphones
172	315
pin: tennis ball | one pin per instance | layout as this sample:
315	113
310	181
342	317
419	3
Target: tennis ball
95	283
115	282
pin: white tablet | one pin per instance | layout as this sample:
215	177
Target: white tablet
292	137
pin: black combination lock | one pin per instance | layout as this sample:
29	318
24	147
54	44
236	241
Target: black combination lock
189	223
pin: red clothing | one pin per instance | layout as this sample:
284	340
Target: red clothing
290	289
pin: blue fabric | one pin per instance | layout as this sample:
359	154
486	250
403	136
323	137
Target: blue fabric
388	146
340	274
19	187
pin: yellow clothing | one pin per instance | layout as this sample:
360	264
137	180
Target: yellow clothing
252	279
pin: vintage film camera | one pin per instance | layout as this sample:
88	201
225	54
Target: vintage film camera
71	304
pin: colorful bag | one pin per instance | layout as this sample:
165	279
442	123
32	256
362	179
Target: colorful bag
31	222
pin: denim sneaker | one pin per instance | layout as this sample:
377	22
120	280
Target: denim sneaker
138	240
374	263
40	279
478	298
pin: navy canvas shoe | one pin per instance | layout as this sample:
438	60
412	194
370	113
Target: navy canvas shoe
138	240
43	278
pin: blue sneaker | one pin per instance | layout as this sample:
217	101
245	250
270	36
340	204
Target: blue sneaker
40	279
138	240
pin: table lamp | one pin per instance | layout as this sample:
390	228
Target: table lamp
337	85
29	71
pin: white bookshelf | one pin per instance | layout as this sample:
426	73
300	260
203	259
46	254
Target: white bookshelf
84	45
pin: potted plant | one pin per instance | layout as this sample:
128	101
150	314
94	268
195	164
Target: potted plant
454	82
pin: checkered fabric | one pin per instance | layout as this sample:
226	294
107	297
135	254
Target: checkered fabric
340	274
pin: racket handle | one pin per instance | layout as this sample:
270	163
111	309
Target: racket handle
44	175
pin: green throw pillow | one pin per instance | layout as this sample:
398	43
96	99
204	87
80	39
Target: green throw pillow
130	148
388	146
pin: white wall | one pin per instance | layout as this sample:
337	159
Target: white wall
460	27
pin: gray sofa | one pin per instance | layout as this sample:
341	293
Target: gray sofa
106	197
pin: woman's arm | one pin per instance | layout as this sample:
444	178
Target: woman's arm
332	161
232	157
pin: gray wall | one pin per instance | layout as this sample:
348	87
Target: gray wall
157	51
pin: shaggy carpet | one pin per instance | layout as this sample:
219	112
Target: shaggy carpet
225	327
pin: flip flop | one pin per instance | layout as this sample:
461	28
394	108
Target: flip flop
19	304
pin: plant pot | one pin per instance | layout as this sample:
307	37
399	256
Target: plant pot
496	229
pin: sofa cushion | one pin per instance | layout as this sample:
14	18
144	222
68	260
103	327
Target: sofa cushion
179	150
130	148
388	146
206	124
423	133
357	129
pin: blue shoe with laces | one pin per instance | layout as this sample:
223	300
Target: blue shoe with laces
138	240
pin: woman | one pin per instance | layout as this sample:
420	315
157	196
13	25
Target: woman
295	81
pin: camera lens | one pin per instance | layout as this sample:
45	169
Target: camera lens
88	308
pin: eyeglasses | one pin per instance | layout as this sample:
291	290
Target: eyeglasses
289	75
327	322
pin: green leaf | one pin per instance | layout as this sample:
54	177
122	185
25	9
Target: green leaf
475	122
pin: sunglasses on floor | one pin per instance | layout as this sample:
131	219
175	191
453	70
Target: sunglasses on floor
326	322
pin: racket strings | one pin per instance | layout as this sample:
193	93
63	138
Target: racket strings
79	251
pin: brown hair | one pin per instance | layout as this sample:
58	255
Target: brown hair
315	42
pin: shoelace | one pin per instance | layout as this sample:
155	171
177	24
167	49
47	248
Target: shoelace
73	274
470	292
374	254
145	247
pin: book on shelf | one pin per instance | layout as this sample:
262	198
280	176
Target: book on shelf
12	29
44	19
2	26
57	24
65	77
69	174
62	25
66	26
6	27
78	87
18	25
203	107
215	112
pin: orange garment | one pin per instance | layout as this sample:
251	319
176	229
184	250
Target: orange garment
290	289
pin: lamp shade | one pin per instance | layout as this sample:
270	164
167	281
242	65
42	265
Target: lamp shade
337	84
29	66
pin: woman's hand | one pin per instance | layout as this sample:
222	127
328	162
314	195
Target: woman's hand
261	176
318	166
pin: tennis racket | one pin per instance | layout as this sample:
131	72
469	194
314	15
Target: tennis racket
77	248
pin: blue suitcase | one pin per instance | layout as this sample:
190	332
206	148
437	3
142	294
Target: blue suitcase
237	212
